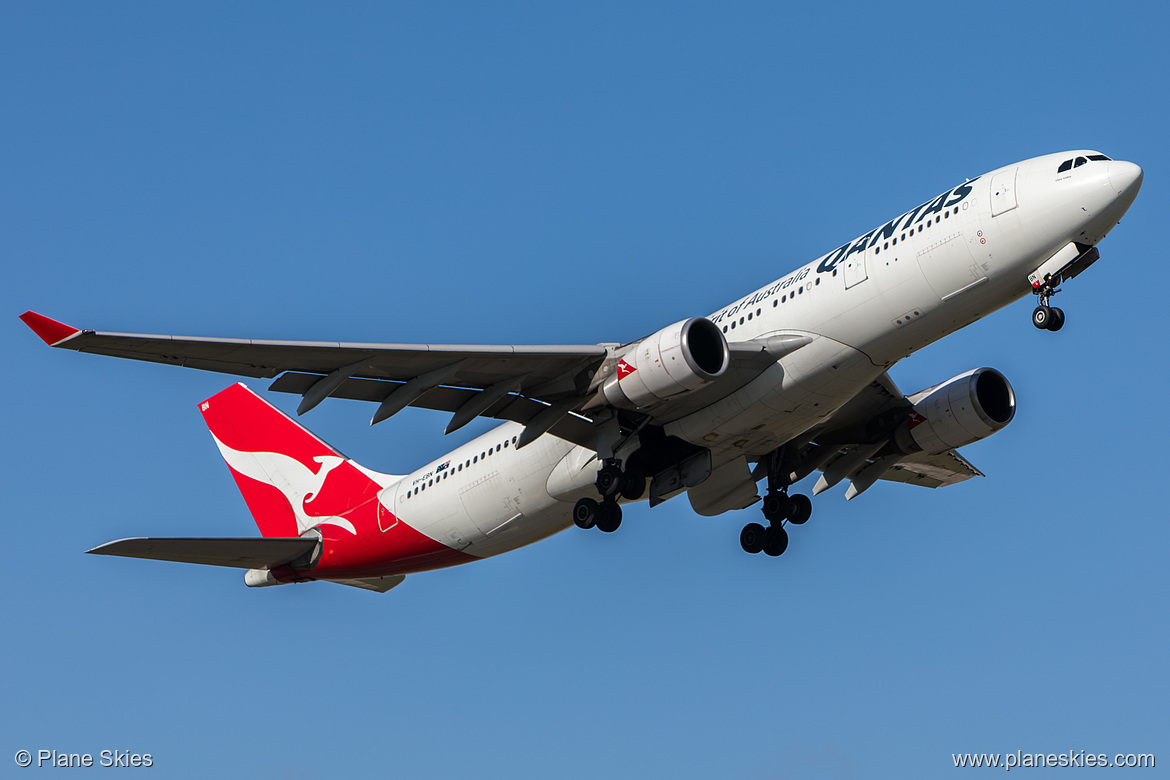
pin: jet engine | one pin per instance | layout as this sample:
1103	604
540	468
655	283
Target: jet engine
676	360
970	407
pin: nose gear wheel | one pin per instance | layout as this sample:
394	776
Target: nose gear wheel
1046	317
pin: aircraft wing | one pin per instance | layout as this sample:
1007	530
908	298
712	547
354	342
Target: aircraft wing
475	366
852	445
541	387
445	377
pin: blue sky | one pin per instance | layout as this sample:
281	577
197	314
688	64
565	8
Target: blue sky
555	173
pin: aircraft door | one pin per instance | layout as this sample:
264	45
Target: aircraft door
1003	192
855	272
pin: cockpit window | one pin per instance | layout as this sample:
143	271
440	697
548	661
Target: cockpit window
1068	165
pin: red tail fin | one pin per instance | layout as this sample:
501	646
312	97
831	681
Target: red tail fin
290	479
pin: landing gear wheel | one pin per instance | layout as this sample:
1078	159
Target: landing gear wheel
585	513
777	541
777	506
1042	317
752	538
633	484
609	480
609	517
801	509
1056	319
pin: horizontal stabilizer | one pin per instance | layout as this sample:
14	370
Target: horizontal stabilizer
239	553
377	584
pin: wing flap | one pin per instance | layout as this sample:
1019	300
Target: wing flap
518	409
239	553
933	471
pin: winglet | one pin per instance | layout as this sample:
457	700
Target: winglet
51	331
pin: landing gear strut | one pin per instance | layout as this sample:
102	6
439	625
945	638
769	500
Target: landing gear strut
779	508
1047	317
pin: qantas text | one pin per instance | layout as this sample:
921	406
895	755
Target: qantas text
829	262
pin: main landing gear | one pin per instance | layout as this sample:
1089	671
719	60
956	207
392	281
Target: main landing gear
612	481
1047	317
779	509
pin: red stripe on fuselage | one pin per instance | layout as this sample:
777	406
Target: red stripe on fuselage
400	549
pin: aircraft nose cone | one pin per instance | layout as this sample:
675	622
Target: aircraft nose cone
1125	178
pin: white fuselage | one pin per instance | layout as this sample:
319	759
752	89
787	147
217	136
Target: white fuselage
867	305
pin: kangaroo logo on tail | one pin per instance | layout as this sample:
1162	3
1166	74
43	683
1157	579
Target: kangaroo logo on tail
289	478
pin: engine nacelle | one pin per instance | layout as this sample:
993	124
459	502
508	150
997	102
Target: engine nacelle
675	360
970	407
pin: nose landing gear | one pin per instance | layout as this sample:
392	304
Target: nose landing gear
1047	317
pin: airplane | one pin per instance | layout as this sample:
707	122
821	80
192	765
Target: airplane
788	380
